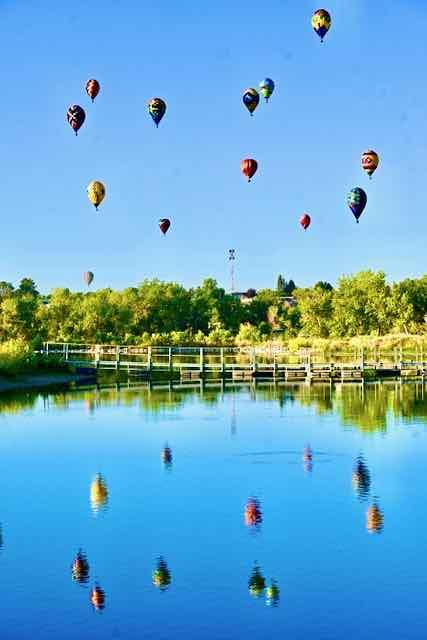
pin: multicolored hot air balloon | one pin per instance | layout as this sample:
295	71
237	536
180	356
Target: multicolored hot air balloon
92	88
357	200
370	162
248	167
256	582
305	221
80	568
161	575
321	22
75	116
157	109
266	87
96	193
164	225
253	513
374	519
251	100
88	277
98	494
97	598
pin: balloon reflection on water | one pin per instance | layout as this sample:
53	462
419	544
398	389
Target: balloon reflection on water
361	479
80	568
167	456
272	594
98	494
256	582
253	513
161	575
374	519
97	598
307	458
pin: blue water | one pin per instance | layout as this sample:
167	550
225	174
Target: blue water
335	578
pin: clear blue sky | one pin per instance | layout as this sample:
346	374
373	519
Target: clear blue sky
365	87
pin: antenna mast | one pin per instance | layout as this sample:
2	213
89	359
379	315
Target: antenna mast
231	258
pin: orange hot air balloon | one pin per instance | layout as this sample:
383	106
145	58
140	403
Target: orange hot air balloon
305	221
374	519
97	598
80	568
370	162
92	88
164	225
253	513
248	167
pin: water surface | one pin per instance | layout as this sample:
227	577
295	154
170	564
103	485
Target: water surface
262	511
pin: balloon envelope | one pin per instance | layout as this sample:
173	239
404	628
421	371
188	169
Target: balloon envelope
96	193
251	100
321	22
164	225
75	116
248	167
266	87
357	200
88	277
370	161
157	109
305	221
92	88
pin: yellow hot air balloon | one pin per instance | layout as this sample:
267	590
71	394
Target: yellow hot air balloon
96	193
98	494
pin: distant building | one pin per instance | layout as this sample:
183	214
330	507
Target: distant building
245	297
288	301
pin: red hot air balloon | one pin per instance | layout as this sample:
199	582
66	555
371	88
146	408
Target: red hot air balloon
305	221
75	116
92	88
248	167
164	225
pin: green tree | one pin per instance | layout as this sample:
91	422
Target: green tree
315	311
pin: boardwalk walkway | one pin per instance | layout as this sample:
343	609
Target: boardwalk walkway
230	362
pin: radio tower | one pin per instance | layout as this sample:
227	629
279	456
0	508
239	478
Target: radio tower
231	258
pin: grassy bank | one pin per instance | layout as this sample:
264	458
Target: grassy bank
17	357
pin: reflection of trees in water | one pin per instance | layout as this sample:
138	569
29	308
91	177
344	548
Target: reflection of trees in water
364	406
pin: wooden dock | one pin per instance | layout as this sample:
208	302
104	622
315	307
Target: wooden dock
192	363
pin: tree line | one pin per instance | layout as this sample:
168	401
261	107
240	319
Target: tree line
158	312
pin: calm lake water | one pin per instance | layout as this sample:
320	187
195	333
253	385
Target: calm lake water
262	512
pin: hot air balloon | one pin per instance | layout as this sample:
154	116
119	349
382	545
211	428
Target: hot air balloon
161	575
167	456
157	109
80	568
75	116
256	582
357	200
88	277
97	598
98	494
92	88
370	162
321	22
251	100
253	513
272	594
164	225
96	193
305	221
266	87
374	519
248	167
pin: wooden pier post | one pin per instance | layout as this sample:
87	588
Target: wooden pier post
149	363
254	364
222	361
66	352
117	358
201	362
96	356
170	360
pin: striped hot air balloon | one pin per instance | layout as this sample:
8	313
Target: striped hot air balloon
92	88
248	167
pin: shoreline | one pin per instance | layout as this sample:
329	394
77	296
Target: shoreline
36	380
